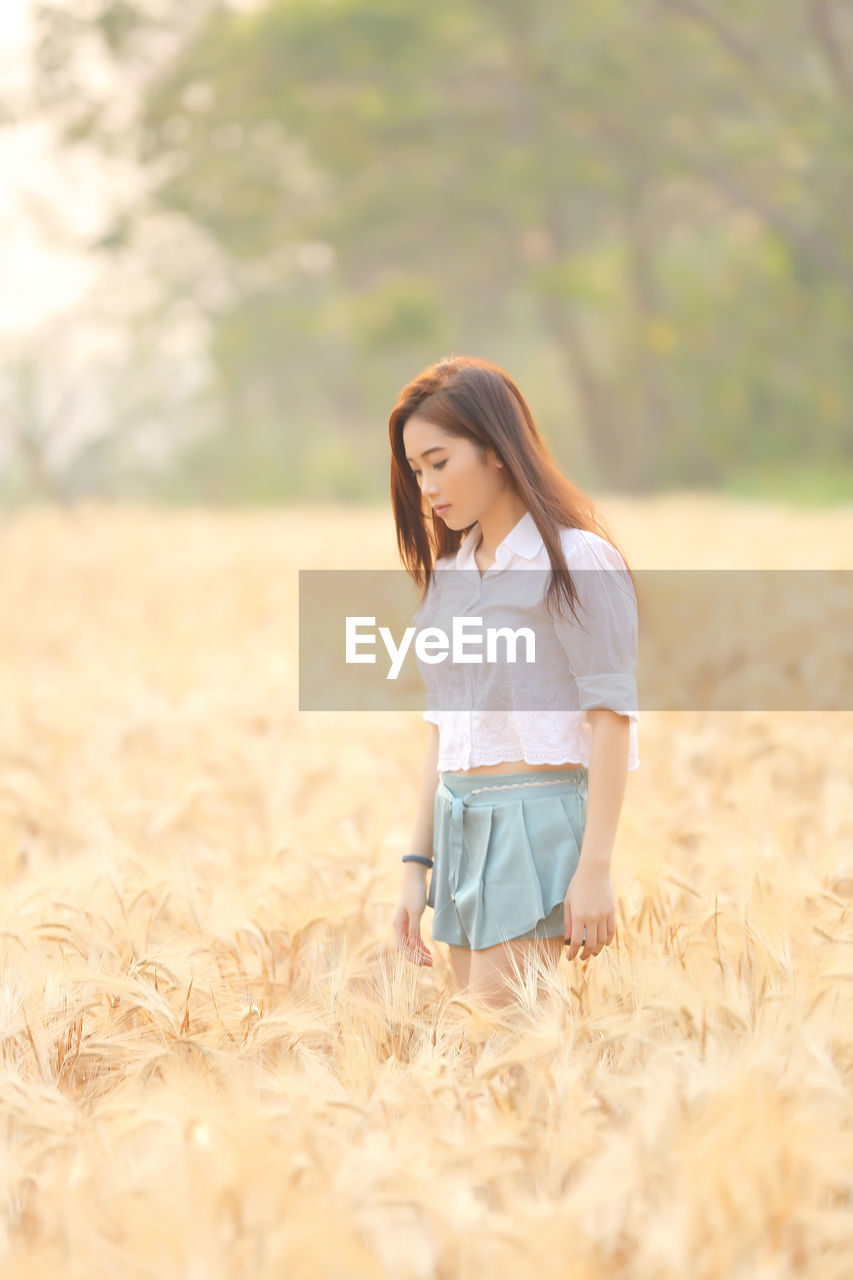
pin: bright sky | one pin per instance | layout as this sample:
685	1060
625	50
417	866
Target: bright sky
49	197
37	278
51	200
13	23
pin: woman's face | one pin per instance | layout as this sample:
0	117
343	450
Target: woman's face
451	474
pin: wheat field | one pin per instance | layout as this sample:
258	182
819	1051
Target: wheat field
215	1063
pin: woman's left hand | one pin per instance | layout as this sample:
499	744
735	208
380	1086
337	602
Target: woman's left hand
591	905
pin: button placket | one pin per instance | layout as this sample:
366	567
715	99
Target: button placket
477	583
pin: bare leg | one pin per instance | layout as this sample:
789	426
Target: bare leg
460	958
492	968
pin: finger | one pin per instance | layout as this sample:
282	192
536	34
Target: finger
423	951
575	938
591	943
417	945
416	949
586	930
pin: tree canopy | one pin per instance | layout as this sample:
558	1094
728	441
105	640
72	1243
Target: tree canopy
638	207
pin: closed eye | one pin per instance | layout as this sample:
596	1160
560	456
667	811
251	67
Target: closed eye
437	467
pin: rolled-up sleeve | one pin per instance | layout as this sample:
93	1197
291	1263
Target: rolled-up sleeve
603	657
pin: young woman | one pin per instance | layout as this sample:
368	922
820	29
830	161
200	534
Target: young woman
519	826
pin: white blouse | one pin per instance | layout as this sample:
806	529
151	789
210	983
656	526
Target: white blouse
576	669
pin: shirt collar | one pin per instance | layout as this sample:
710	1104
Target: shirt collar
523	539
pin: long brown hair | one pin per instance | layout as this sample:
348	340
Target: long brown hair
474	398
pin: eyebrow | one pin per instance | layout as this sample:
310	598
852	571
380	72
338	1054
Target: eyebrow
427	452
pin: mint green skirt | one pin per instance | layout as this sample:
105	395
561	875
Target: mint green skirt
505	847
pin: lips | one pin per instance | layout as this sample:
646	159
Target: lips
441	510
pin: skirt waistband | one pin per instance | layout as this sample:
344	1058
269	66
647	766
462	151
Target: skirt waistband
466	785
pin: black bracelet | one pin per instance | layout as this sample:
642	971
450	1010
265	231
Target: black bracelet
416	857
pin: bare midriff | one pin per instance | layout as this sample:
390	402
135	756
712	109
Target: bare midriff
517	766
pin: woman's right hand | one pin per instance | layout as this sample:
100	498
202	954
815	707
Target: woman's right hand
407	919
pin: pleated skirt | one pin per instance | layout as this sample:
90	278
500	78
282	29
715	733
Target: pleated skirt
504	848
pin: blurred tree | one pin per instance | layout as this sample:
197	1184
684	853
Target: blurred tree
655	188
88	408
